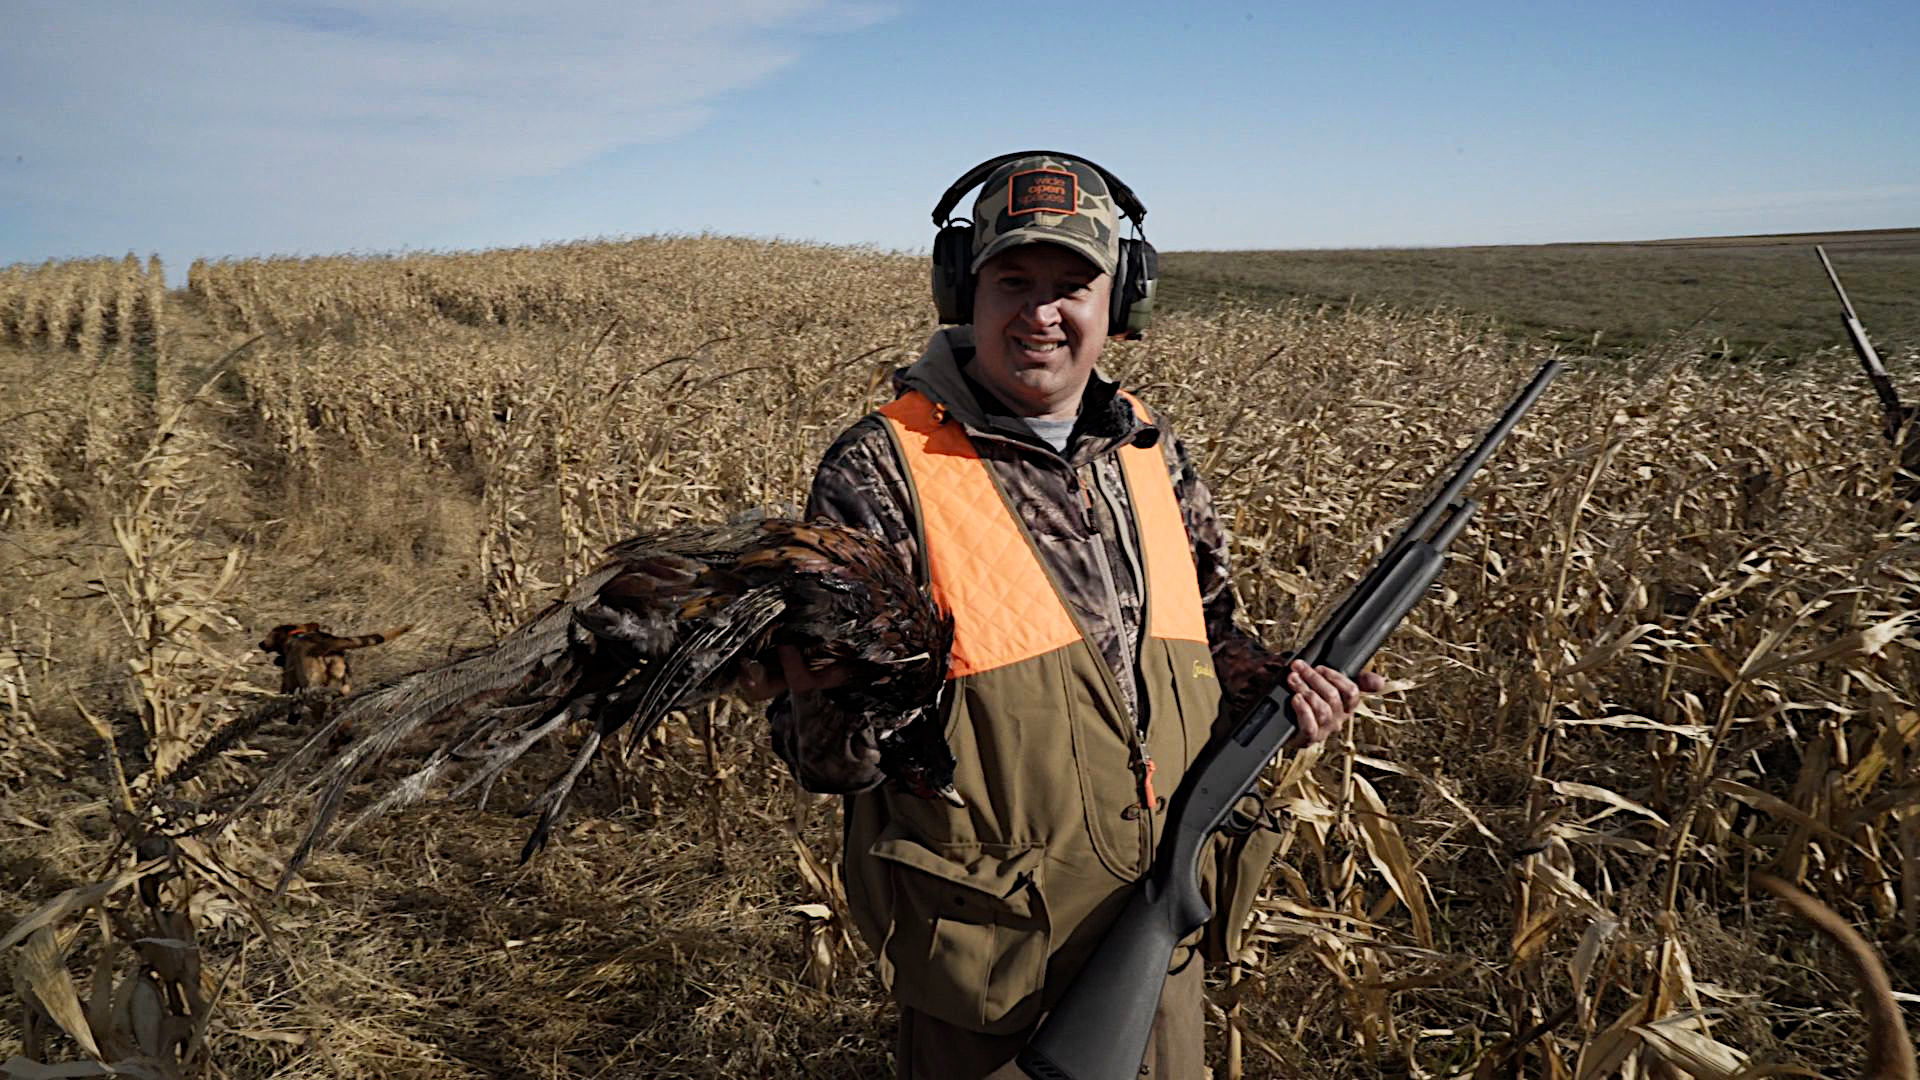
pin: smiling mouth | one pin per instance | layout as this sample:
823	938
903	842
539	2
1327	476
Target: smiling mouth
1040	348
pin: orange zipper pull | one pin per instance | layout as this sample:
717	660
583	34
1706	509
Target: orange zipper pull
1143	768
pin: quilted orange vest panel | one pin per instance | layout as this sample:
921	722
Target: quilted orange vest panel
983	568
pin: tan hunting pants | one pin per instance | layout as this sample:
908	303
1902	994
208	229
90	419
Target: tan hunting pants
932	1049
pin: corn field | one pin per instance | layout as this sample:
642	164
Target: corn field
88	335
1679	645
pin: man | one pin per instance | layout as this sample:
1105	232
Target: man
1066	529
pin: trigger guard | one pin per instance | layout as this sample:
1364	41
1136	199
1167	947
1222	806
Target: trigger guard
1239	823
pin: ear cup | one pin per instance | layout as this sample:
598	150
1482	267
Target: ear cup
1131	308
1120	300
953	273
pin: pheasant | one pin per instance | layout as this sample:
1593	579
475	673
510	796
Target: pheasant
667	621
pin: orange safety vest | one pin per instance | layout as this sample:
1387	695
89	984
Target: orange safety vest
981	562
969	909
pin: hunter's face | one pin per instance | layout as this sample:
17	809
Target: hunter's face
1039	320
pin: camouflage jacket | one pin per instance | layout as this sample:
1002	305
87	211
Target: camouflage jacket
1074	505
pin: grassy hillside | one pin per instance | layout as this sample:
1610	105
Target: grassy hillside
1742	296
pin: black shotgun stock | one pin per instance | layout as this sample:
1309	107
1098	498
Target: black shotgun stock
1098	1029
1893	412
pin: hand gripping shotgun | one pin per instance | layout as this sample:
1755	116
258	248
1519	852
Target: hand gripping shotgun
1098	1029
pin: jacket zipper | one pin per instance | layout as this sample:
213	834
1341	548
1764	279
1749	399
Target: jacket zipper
1140	762
1130	550
1129	650
1143	764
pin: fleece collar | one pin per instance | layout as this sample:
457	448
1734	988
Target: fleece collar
1106	420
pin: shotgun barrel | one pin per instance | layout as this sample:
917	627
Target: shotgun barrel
1895	413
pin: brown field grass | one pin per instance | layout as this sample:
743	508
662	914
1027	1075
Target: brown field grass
1677	646
1741	297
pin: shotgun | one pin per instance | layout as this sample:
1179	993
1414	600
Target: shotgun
1098	1029
1894	414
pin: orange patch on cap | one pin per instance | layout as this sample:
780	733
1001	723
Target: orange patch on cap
1043	191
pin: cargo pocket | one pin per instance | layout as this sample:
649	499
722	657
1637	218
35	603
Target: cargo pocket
969	937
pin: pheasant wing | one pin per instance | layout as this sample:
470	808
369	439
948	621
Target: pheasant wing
663	687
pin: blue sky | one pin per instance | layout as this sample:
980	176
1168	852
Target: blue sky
221	127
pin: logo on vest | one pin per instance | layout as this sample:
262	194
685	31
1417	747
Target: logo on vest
1202	670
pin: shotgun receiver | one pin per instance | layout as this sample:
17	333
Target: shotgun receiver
1895	414
1098	1029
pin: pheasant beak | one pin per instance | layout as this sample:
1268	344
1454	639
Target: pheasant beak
951	797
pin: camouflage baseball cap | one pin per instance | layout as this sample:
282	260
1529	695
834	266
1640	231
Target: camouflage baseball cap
1047	198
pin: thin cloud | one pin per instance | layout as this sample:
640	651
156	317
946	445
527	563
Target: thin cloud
228	126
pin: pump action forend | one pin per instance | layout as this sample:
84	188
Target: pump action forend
1098	1029
1895	413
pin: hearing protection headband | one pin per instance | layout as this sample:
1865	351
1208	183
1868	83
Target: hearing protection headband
1131	307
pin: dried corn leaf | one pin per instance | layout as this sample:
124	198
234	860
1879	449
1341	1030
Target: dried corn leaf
1312	808
1381	837
1293	774
1436	785
1604	1055
1676	975
1869	641
1677	1042
1601	655
1560	882
1598	933
1275	928
1576	834
1719	663
100	991
1631	721
219	872
1556	1066
1755	576
1282	905
1605	795
76	899
1781	808
289	1038
1531	936
1861	778
1292	584
43	969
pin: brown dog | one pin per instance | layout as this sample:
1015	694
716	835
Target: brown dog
314	658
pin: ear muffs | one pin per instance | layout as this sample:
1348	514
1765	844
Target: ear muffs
952	273
1131	308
